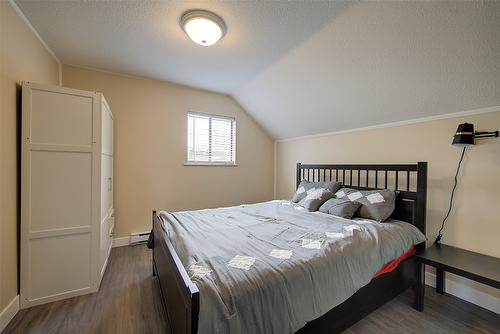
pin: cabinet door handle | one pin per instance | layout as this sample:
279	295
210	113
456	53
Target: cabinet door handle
110	184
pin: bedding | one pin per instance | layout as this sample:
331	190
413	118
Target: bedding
306	187
272	267
340	207
375	204
315	199
391	265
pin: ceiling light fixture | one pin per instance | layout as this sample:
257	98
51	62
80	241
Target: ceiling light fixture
203	27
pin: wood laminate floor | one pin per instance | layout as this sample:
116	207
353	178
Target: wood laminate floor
128	302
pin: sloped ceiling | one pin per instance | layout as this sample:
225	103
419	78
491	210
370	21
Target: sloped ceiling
382	62
298	68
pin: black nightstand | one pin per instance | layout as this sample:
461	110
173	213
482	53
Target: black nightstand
477	267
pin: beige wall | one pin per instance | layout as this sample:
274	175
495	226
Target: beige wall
474	223
23	57
150	149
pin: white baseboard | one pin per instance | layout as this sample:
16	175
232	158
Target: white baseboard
467	292
9	312
119	242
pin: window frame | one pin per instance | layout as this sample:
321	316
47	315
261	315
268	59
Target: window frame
233	141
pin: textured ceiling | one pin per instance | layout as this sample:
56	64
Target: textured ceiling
298	68
381	62
144	37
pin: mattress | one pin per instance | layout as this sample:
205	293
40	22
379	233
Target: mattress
272	267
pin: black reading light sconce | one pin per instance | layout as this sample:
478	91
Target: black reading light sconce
465	136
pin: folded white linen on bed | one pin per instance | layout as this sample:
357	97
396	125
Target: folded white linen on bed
271	268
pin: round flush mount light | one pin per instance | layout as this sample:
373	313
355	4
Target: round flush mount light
203	27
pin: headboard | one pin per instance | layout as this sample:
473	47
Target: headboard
409	180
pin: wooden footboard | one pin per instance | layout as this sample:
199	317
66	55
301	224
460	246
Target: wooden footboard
180	295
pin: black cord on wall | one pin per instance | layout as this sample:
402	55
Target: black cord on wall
438	238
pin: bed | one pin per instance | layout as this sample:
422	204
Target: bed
213	265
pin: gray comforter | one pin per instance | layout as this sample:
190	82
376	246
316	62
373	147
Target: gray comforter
272	267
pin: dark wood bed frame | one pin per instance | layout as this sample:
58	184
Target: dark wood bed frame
181	297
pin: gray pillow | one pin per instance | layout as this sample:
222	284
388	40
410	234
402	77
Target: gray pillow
306	187
315	199
341	207
375	204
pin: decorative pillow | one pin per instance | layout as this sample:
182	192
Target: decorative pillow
315	199
306	187
341	207
375	204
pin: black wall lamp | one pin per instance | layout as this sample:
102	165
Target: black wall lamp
464	136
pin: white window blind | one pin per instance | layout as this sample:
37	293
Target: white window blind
211	139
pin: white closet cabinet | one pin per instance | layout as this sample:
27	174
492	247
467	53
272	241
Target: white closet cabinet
67	212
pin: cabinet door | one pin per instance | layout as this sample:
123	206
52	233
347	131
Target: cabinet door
107	129
106	185
60	193
104	245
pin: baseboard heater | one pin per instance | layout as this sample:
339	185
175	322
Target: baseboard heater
138	238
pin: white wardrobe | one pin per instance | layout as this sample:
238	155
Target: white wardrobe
67	215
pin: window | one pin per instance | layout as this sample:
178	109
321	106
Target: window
211	139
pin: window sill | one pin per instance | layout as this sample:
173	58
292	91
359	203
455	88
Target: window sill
209	164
